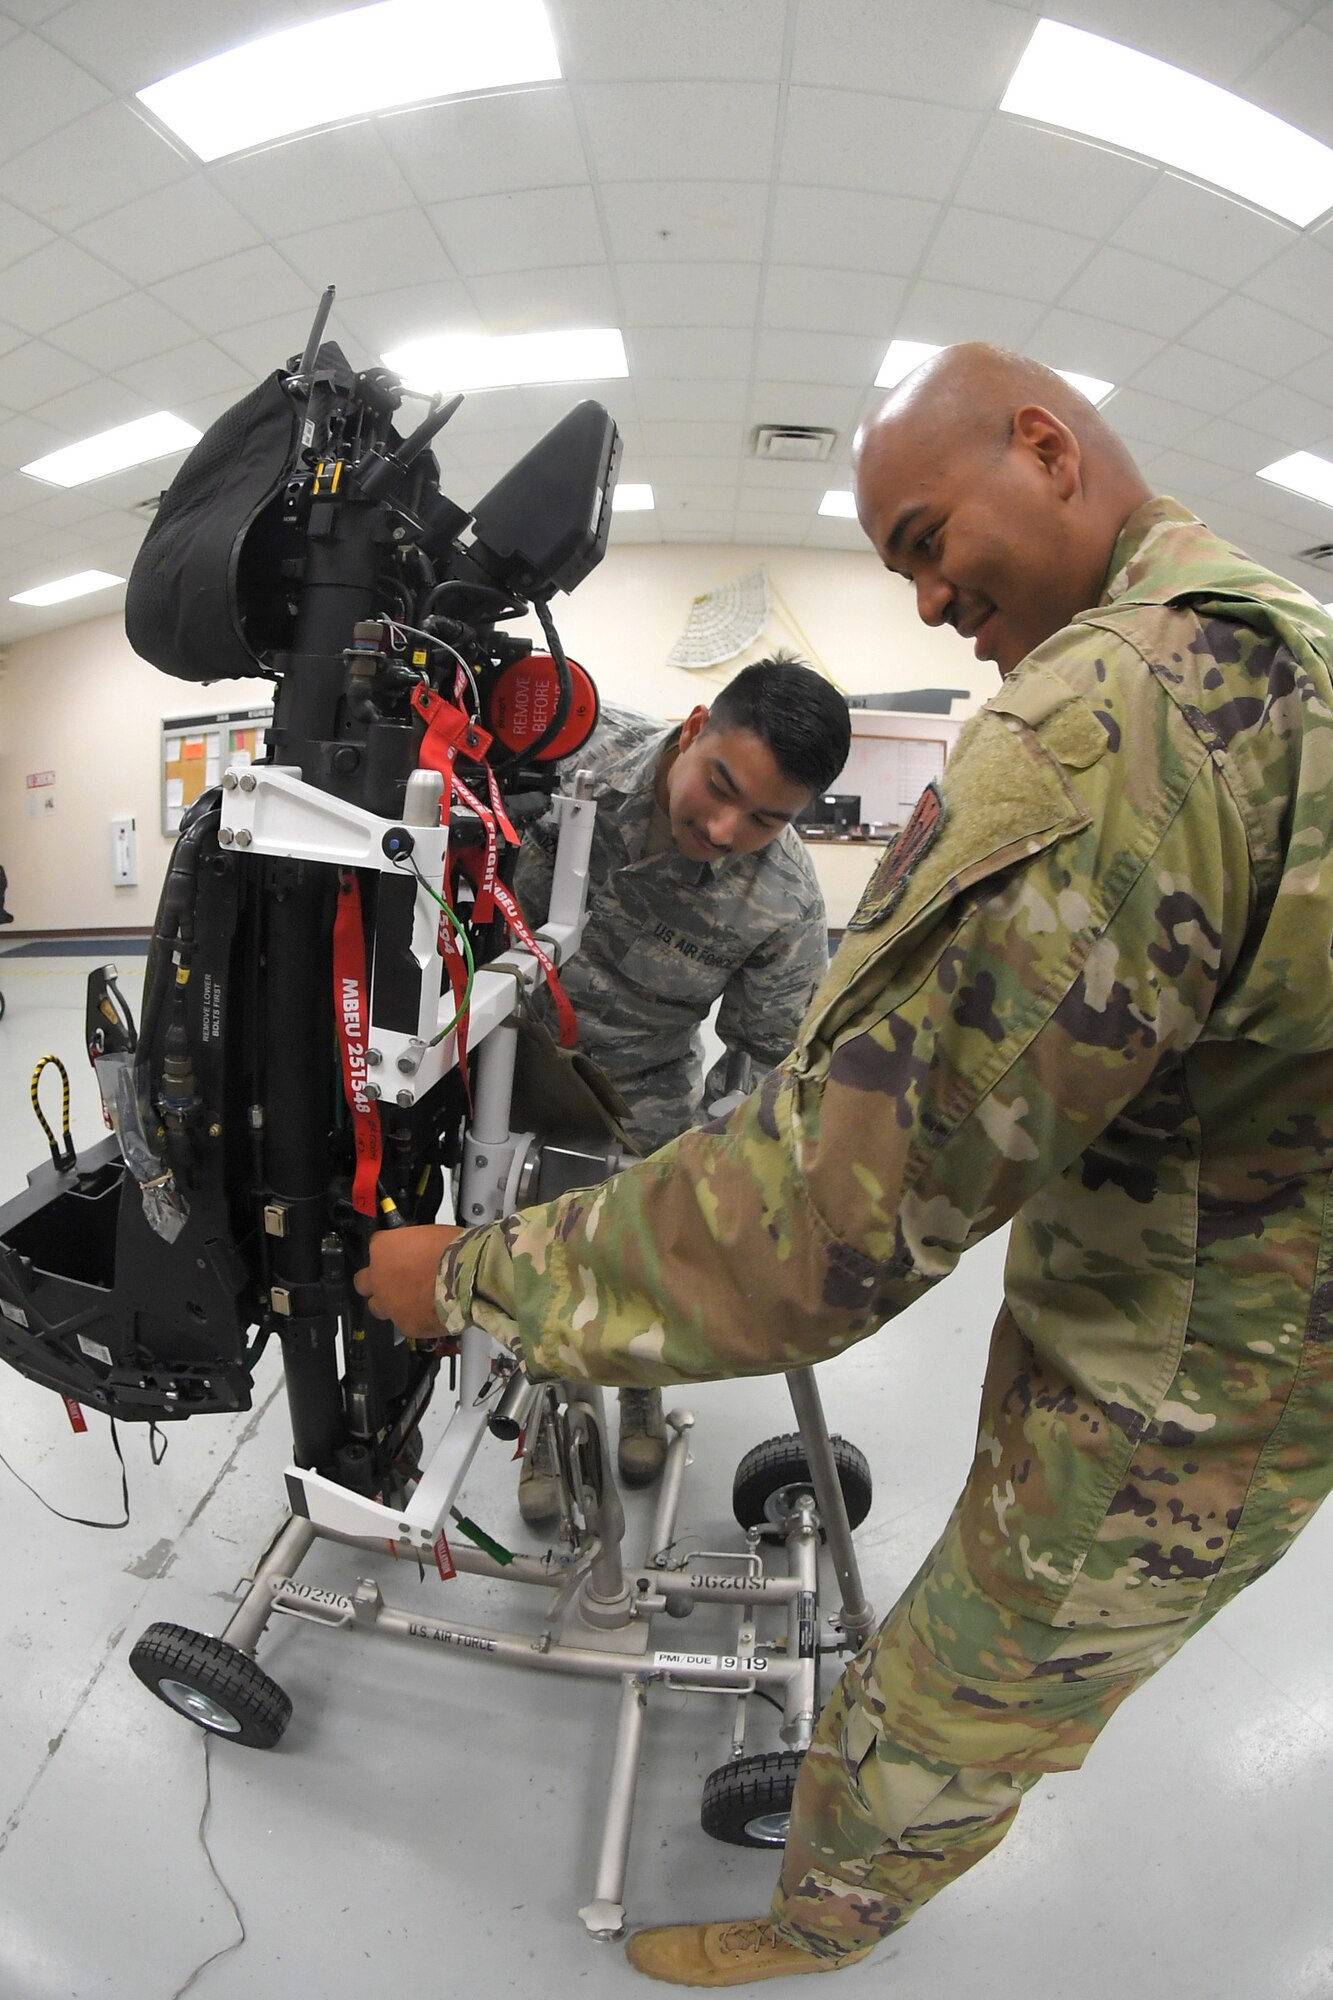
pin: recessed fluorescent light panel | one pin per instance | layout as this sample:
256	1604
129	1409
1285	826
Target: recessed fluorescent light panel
350	66
112	451
448	362
905	355
632	499
81	584
839	504
1085	84
1303	472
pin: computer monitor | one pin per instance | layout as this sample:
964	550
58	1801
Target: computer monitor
840	812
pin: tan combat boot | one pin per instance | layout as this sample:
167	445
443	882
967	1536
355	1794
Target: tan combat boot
641	1452
539	1481
723	1954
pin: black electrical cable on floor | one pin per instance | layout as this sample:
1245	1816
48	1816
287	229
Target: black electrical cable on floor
202	1836
81	1520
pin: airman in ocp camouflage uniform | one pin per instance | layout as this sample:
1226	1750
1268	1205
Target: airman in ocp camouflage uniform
1091	991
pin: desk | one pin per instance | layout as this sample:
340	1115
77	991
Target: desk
843	867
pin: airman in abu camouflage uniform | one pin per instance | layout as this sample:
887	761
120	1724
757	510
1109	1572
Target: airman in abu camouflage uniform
1090	990
699	891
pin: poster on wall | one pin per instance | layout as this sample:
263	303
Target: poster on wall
197	749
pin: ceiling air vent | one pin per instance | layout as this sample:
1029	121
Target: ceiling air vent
803	442
1320	553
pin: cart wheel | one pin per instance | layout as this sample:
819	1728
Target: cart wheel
770	1478
213	1684
748	1803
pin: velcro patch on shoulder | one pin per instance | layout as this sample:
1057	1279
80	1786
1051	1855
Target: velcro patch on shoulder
895	867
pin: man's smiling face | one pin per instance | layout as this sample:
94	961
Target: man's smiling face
980	528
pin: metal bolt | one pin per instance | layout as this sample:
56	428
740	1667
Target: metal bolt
244	837
248	781
479	1208
373	1090
229	781
405	1098
225	836
215	1131
374	1058
480	1160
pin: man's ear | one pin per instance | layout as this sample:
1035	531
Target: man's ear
692	726
1053	446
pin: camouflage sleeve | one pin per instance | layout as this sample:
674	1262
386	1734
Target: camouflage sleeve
765	999
1063	937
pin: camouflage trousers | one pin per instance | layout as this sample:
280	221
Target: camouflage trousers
923	1752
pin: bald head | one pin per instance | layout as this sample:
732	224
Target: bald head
999	491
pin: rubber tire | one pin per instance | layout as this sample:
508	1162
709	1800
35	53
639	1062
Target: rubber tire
780	1463
228	1678
749	1789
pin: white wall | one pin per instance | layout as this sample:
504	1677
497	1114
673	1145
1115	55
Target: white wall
78	702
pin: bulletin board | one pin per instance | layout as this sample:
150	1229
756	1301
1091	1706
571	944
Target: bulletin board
197	749
893	757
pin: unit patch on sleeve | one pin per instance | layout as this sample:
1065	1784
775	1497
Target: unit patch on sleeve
894	872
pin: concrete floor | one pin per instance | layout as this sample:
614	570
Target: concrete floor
428	1824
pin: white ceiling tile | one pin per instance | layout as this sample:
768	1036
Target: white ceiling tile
663	397
43	90
952	52
55	283
103	160
856	230
673	131
698	440
715	221
1051	177
1092	346
300	185
1293	82
1316	378
1000	254
1187	477
35	371
786	501
185	374
1299	281
1282	412
698	508
488	145
1198	381
688	38
1140	292
272	342
23	438
1231	444
769	530
368	255
92	407
128	329
1293	522
547	404
176	229
850	358
527	301
1254	336
946	313
806	298
19	234
674	294
1154	420
540	229
686	351
1200	229
236	291
390	319
679	470
887	145
1215	39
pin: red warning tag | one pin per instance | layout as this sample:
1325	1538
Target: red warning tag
444	1562
74	1411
